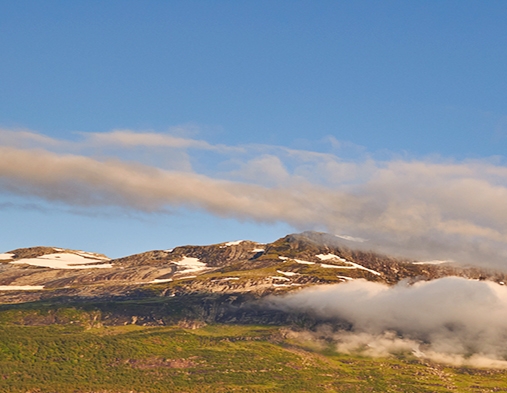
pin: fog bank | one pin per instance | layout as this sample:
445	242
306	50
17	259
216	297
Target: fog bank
452	319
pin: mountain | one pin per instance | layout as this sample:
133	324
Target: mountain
239	267
214	318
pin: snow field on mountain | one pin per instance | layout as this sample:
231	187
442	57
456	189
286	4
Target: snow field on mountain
298	261
288	274
234	243
66	261
332	257
434	262
190	265
21	287
160	280
327	257
280	278
287	285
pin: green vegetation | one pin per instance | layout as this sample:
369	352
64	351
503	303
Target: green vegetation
71	348
315	272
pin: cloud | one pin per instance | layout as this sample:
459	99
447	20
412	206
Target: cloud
451	319
351	238
130	139
267	167
22	206
85	181
26	139
423	209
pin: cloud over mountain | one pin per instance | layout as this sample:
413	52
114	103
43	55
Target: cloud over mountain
431	208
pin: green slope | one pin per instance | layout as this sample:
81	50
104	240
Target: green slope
213	358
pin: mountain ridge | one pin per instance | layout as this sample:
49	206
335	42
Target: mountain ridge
287	264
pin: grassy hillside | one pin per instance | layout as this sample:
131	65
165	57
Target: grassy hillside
80	354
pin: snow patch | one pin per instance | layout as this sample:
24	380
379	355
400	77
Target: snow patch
6	256
286	285
226	279
234	243
280	278
258	250
434	262
304	262
159	280
351	238
189	265
327	257
352	265
345	278
288	274
66	261
21	287
298	261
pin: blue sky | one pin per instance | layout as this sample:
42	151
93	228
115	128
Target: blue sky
385	120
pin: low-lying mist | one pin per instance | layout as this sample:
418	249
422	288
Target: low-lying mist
451	320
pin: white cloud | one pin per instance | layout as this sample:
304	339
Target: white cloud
426	209
267	168
452	319
27	139
129	139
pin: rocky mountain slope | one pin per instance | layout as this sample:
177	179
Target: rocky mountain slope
240	267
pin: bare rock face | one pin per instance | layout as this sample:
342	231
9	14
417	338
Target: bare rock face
241	267
145	259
